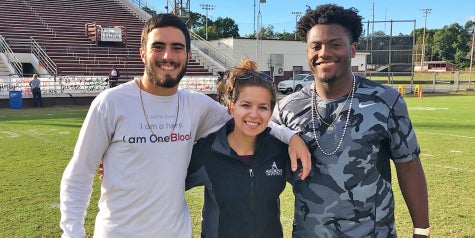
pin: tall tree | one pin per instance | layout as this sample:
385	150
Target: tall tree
267	33
450	44
221	28
226	27
196	20
287	36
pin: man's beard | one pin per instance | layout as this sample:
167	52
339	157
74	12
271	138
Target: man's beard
165	81
329	79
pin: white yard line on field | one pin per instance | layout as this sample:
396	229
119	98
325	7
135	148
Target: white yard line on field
427	108
445	166
32	133
451	168
449	135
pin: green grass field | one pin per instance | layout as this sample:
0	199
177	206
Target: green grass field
36	145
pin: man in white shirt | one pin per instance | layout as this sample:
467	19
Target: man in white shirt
113	77
36	91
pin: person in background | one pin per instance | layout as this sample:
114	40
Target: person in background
143	132
114	76
36	91
242	166
354	127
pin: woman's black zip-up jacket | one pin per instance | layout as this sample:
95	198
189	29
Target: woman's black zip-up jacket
240	201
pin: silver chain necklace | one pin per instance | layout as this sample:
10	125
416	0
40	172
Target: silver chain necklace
314	111
145	114
340	109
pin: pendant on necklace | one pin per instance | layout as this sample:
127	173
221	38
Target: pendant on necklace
330	128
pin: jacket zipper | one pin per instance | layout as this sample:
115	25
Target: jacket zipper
252	205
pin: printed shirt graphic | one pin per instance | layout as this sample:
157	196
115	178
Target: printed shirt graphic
349	193
274	171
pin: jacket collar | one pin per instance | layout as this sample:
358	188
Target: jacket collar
221	145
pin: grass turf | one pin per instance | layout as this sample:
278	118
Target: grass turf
36	145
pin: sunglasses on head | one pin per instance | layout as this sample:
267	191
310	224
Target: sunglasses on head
251	75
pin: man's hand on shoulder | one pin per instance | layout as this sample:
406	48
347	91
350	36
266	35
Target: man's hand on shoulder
298	150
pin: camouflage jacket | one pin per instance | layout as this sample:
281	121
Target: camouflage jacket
349	193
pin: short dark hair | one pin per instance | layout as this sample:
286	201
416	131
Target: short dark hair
164	20
331	14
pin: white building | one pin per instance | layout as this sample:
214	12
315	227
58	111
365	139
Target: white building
278	57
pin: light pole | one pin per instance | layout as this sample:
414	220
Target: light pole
207	7
471	58
258	26
297	15
255	33
425	11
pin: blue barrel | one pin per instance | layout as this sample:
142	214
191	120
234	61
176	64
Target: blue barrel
16	100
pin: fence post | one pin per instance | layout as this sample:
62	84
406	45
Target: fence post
456	80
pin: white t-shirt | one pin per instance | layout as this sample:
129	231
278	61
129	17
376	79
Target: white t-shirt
142	193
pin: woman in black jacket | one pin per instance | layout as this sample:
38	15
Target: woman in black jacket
242	166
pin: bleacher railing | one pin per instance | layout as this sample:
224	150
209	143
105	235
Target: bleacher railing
214	53
140	3
45	61
11	58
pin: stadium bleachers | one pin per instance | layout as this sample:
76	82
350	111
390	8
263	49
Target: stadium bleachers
58	26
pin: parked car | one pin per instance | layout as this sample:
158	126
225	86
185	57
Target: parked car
291	85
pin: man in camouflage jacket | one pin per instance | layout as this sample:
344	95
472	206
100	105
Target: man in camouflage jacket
353	127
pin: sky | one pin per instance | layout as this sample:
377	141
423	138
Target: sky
278	13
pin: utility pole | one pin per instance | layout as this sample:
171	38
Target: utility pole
471	59
207	7
425	11
297	15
